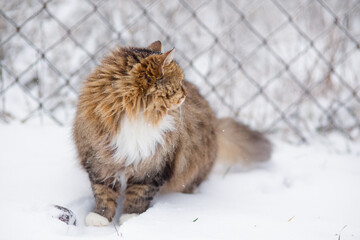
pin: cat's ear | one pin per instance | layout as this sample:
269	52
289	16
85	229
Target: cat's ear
166	59
155	46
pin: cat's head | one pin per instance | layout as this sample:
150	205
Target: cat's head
159	82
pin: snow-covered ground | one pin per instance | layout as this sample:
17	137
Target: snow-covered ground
304	192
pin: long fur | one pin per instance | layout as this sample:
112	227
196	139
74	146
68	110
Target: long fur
238	143
135	133
139	140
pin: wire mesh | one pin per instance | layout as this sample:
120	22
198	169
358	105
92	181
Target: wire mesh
280	66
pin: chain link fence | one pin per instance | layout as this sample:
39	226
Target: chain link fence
290	67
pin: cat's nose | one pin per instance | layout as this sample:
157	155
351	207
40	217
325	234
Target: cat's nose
184	91
181	100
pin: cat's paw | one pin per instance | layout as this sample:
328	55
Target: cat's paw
126	217
94	219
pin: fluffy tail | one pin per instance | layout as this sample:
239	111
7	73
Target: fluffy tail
238	143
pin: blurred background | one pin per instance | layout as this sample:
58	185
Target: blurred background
282	66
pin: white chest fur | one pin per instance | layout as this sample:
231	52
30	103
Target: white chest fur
138	139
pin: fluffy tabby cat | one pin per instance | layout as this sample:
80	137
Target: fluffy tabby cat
135	133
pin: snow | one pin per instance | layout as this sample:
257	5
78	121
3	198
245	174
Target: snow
305	192
241	54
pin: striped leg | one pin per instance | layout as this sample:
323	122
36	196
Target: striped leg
137	200
139	194
138	197
105	204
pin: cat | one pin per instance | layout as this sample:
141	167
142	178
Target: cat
141	128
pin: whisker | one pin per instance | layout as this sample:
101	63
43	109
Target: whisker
181	111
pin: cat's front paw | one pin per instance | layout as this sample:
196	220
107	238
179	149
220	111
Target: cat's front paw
126	217
94	219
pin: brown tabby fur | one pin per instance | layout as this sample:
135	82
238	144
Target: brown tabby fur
132	81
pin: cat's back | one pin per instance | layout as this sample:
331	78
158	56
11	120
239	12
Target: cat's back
198	141
200	113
